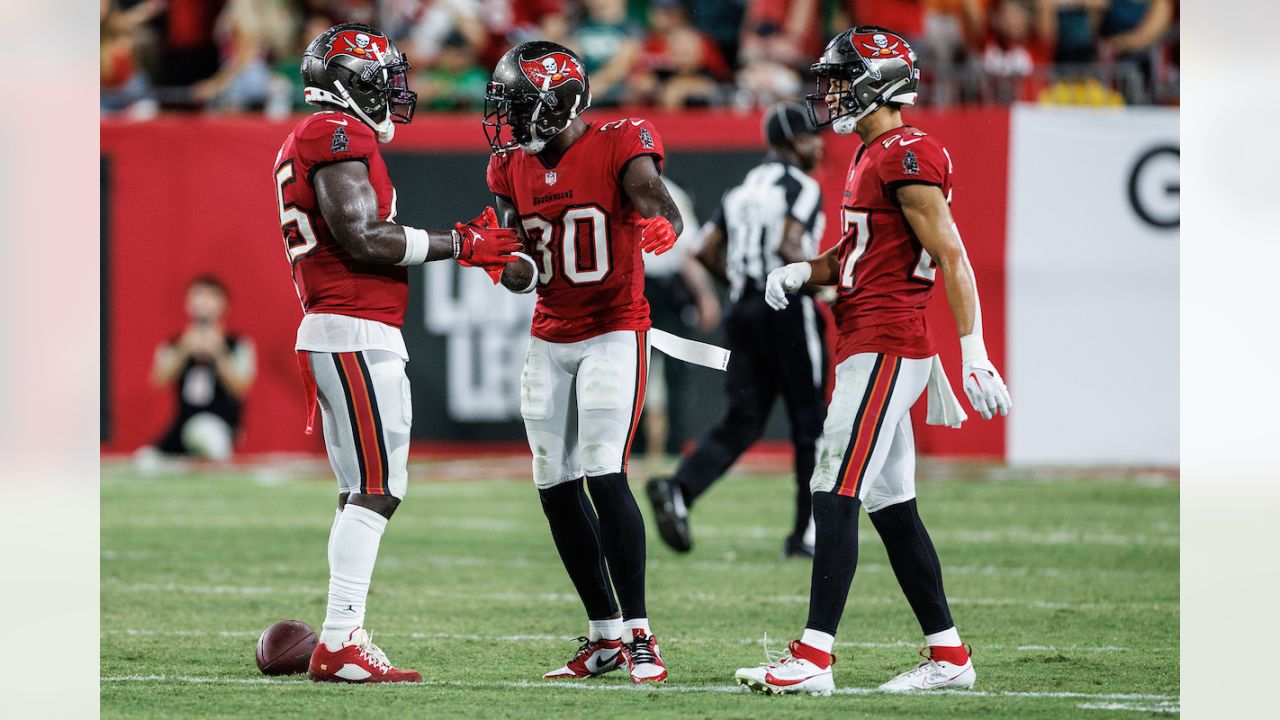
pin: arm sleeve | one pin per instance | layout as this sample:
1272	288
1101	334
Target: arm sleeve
325	142
634	138
496	176
922	162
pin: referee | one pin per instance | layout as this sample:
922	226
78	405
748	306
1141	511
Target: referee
773	218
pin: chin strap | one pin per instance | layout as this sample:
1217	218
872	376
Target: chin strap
536	144
845	125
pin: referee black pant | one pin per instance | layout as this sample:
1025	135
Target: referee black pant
774	353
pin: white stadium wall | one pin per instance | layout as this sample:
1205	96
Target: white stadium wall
1092	286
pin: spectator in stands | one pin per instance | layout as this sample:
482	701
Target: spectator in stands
420	27
905	17
123	82
250	33
511	22
780	39
679	66
455	81
188	52
1012	52
609	44
721	20
951	29
1074	26
1130	32
209	370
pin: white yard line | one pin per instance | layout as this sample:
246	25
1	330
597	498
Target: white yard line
666	687
676	597
1168	706
674	639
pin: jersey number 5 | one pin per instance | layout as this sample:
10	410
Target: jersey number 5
582	230
295	224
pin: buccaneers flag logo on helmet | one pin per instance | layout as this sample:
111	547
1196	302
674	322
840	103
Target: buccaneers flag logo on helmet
356	44
553	70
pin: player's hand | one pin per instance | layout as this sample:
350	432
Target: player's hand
656	235
486	219
985	388
784	280
488	248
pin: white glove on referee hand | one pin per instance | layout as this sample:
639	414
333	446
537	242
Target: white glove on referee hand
985	388
786	279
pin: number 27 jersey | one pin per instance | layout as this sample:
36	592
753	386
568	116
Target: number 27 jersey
590	271
886	277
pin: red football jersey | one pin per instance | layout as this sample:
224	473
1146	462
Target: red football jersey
590	273
886	277
327	278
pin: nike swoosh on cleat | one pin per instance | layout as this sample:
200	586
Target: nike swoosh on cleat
787	683
601	664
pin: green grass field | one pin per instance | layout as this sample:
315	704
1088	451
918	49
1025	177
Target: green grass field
1067	590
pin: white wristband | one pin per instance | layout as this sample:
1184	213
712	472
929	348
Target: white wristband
533	282
972	348
416	244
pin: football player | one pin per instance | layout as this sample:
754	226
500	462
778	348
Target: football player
897	234
350	266
588	199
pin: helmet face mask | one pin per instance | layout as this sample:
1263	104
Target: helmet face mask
861	70
537	90
356	68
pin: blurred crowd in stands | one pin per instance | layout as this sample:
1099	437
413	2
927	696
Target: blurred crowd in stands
243	55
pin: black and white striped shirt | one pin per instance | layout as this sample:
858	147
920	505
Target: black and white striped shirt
752	216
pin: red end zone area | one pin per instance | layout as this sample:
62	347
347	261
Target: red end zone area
189	196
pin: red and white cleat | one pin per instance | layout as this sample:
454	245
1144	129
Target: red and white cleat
643	658
357	661
801	669
954	673
593	658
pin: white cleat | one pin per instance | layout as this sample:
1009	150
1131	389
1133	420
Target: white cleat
644	659
594	657
789	673
933	675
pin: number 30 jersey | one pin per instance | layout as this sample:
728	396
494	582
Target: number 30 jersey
886	277
328	279
590	271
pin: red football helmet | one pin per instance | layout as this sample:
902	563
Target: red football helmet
357	68
877	67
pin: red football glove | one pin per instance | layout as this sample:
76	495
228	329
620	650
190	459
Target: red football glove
486	219
656	235
488	248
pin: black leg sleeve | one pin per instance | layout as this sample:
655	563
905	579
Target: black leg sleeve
622	535
576	532
915	563
834	559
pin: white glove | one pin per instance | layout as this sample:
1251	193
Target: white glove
985	388
786	279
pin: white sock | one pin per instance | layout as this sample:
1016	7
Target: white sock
610	629
818	640
352	554
637	624
337	515
947	638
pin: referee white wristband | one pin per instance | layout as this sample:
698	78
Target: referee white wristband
972	348
416	244
533	281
